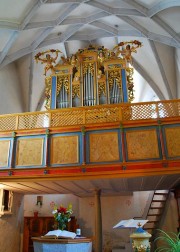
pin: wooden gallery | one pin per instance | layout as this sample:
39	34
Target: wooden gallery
90	160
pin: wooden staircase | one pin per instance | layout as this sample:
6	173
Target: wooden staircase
156	211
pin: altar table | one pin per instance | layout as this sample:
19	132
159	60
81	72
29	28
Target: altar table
62	245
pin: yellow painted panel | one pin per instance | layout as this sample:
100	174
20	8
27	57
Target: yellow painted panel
142	144
104	147
29	152
173	141
4	151
64	150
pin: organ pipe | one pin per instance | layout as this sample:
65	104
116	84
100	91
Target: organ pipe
88	74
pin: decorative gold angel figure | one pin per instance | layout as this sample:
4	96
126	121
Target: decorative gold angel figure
48	59
131	46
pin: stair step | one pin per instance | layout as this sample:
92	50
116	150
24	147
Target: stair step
158	200
153	214
156	208
155	221
161	193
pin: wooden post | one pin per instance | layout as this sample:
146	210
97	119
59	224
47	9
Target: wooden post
98	221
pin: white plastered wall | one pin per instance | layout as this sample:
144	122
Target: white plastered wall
10	90
177	59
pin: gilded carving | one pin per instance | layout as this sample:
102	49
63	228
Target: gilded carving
29	151
88	67
48	92
75	90
142	144
4	150
173	141
101	88
65	150
103	147
47	58
130	83
63	80
114	75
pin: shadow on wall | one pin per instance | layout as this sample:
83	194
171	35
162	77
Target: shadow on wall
114	243
87	232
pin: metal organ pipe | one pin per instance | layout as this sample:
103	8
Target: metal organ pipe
107	89
87	102
96	87
92	89
81	87
89	89
63	96
116	92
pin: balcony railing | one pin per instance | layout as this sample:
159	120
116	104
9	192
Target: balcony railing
90	115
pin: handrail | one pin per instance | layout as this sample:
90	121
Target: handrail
90	115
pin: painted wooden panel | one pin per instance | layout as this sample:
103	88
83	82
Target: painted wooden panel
4	150
104	147
142	144
172	136
65	149
29	151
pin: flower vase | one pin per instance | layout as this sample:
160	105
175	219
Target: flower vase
35	214
61	226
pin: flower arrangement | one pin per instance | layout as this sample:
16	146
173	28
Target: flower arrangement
62	215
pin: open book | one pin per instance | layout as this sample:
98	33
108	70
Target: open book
59	234
130	223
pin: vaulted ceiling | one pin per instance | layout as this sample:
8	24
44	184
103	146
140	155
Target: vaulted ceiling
28	27
31	26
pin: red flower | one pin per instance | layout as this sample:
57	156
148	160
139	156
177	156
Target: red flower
62	210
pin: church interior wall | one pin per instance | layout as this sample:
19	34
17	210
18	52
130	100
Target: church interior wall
11	226
177	58
10	91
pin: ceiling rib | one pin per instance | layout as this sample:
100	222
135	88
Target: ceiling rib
137	6
24	51
161	68
149	80
146	33
105	27
61	38
31	13
8	45
163	5
21	27
66	1
167	28
30	83
114	11
9	25
41	101
38	40
156	19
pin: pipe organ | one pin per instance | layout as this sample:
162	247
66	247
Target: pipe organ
92	76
